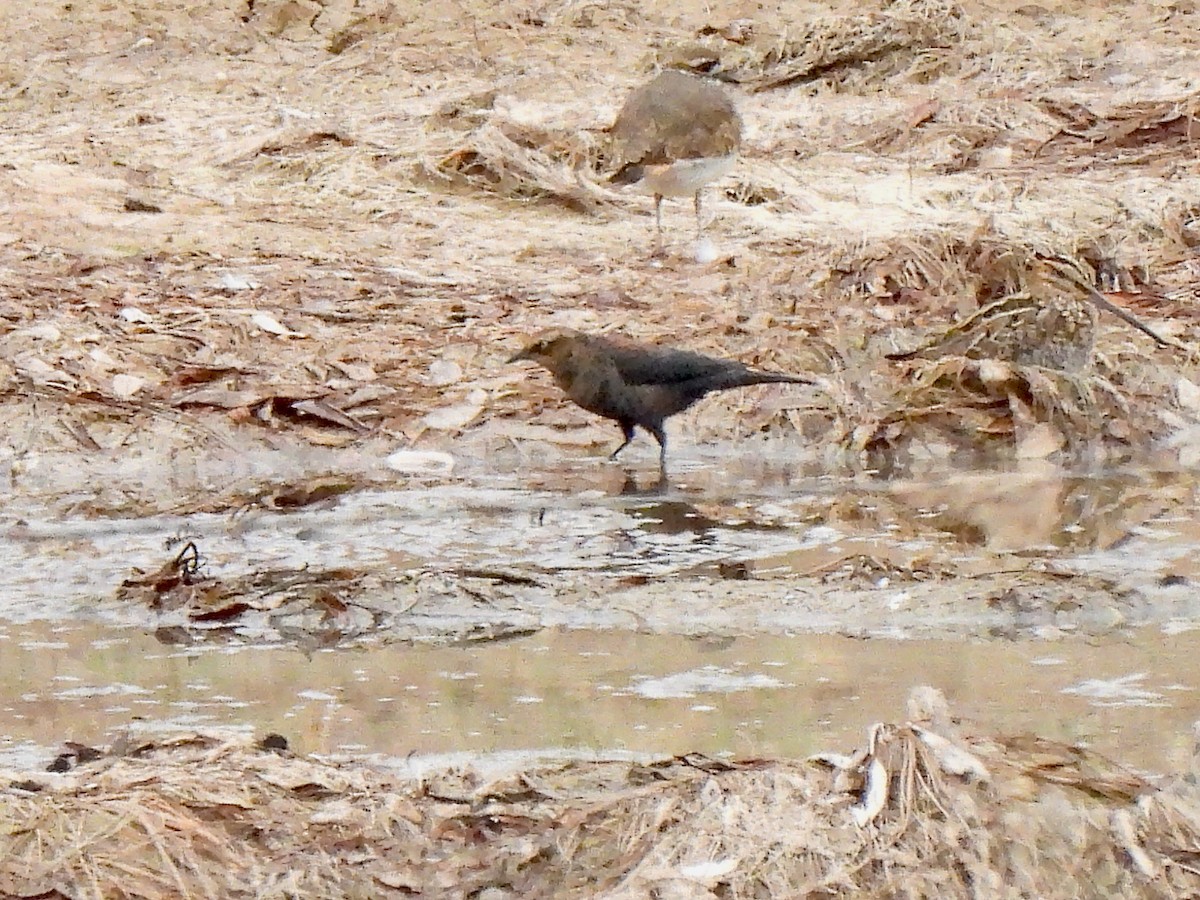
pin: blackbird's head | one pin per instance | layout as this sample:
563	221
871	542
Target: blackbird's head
549	347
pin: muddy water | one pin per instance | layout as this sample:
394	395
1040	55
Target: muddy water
572	691
749	560
727	520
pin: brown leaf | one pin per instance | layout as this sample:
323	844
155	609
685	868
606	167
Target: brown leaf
319	409
189	375
223	614
225	398
923	112
308	493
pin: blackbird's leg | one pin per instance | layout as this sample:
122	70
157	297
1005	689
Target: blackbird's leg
660	435
627	430
699	226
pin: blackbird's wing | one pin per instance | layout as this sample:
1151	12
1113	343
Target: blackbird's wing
662	365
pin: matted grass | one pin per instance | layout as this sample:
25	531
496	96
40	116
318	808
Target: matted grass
925	808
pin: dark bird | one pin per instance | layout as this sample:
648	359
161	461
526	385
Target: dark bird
637	384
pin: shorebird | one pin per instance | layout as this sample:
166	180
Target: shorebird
1050	326
674	135
638	384
1056	333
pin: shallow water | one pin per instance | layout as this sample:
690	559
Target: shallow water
753	679
592	518
575	691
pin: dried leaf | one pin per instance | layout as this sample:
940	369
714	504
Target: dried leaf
357	371
222	614
224	398
953	758
310	492
874	797
189	375
125	387
233	282
319	409
444	372
133	314
271	325
923	112
1188	394
420	462
451	418
1040	441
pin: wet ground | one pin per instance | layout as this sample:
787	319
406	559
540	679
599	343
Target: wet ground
740	608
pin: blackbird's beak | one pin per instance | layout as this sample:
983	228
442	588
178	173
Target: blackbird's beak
517	357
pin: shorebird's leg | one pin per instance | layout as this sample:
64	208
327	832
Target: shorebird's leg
658	234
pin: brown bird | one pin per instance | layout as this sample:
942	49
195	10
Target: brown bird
1049	326
675	135
1058	333
637	384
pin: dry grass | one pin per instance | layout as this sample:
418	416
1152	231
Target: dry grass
350	194
922	810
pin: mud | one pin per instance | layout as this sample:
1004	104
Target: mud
717	550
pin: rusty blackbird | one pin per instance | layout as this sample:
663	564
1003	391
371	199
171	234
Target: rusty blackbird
637	384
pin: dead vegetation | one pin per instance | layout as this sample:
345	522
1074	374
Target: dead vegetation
190	603
898	40
292	226
328	599
905	166
925	808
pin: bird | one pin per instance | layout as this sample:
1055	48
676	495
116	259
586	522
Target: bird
637	384
674	135
1050	326
1057	333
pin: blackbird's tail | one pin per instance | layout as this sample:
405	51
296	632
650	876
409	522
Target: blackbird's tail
736	378
751	376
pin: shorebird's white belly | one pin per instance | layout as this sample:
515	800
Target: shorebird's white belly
684	177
